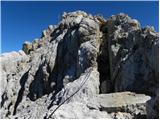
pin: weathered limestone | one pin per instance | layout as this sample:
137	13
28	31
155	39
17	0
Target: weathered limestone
76	63
13	66
27	47
126	102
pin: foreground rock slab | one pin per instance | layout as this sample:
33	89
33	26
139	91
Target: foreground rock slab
125	102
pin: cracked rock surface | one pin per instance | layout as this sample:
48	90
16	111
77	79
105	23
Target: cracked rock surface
84	67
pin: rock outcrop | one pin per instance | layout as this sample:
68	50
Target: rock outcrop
82	68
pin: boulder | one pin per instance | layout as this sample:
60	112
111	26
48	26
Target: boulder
126	102
27	47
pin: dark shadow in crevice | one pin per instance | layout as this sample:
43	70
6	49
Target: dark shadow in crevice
143	87
103	69
21	91
38	87
4	98
103	60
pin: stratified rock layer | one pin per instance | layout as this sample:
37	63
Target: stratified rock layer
75	64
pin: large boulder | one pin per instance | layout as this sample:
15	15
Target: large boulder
124	103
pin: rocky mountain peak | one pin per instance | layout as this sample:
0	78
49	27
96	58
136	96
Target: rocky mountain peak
84	67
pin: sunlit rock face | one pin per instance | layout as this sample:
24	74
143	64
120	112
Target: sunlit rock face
84	67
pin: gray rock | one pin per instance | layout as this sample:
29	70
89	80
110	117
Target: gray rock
13	66
128	50
126	102
121	115
86	91
77	59
78	110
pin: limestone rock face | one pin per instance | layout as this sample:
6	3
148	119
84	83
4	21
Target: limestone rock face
74	69
13	68
130	56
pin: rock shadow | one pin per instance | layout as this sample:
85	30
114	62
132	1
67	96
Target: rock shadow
21	91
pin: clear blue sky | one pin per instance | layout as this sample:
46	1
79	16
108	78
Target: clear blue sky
23	21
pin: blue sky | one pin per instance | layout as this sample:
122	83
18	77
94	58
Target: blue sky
24	21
